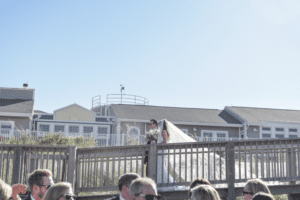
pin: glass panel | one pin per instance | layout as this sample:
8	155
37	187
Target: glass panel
44	127
134	131
59	128
279	129
87	129
266	135
279	136
266	128
221	135
102	130
73	129
292	136
6	126
293	130
207	135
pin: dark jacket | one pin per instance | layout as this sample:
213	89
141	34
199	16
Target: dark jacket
28	197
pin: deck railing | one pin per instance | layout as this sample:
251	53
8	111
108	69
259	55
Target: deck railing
98	169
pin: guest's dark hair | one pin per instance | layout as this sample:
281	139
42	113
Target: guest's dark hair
154	121
263	196
126	180
197	182
36	177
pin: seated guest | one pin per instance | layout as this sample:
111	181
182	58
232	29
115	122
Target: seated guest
204	192
254	186
263	196
60	191
39	182
197	182
123	184
144	189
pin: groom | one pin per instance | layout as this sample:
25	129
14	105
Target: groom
154	130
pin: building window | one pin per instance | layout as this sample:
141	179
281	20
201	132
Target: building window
44	127
6	126
279	136
102	130
205	135
279	129
73	129
59	128
264	135
87	129
222	135
266	128
133	131
293	136
294	130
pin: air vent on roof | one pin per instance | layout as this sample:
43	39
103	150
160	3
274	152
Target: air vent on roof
25	85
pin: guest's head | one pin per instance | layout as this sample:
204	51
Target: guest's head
60	191
204	192
143	189
263	196
39	182
197	182
153	123
254	186
5	190
124	183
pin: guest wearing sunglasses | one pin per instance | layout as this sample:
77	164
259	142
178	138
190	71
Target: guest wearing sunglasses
39	182
144	189
60	191
254	186
204	192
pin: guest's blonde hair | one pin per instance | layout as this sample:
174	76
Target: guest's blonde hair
5	190
205	192
256	185
57	190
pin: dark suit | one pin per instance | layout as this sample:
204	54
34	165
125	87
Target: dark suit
28	197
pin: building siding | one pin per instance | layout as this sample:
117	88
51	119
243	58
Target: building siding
74	113
21	123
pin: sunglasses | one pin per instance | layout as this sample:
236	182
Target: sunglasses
149	196
245	192
47	186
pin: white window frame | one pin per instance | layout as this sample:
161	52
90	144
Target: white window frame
139	132
266	132
214	135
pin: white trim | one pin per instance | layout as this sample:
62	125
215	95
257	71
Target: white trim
16	114
78	122
138	130
185	123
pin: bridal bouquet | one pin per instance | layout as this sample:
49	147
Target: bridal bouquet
152	136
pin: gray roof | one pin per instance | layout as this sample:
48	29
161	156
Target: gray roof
21	107
178	114
260	115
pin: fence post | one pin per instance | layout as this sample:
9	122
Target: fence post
17	165
72	165
230	170
152	162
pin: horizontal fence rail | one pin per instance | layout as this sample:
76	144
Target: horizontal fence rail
98	169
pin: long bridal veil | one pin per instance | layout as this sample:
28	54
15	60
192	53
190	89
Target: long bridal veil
191	162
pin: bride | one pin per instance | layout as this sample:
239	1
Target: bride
169	134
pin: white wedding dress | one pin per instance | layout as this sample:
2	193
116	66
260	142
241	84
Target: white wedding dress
176	136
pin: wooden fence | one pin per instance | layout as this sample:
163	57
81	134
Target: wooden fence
98	169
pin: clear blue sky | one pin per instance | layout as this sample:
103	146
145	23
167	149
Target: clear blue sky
203	54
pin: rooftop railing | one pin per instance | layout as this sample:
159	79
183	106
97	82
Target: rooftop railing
126	99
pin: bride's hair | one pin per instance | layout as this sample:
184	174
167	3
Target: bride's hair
165	129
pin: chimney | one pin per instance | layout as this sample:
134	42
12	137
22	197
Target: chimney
25	85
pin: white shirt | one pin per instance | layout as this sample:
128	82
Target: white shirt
121	198
31	197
